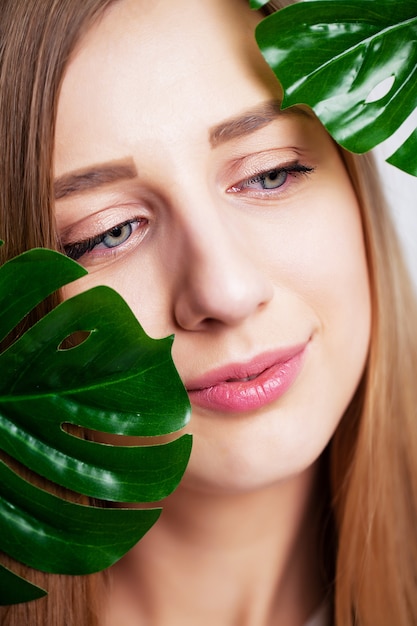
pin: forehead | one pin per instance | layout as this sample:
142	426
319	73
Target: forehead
148	70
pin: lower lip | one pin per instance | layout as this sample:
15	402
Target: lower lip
249	395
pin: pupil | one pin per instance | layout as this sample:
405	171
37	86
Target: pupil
116	232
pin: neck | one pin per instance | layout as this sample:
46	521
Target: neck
247	559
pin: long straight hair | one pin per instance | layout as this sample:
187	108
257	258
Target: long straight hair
373	454
37	39
374	451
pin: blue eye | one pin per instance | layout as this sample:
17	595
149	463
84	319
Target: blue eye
117	235
269	180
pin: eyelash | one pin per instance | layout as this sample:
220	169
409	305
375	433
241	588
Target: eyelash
78	249
288	170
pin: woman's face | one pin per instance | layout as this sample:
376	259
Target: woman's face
222	220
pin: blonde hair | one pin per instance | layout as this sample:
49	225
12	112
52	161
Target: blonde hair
374	451
36	41
373	455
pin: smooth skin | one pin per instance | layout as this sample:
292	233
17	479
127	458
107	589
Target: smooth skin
236	228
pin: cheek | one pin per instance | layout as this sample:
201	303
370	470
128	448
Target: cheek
142	283
319	254
321	264
338	277
338	294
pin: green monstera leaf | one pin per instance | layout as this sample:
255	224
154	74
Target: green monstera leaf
257	4
117	381
353	62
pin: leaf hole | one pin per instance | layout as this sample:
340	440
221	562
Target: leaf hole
74	340
380	90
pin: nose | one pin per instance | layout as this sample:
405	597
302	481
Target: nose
221	279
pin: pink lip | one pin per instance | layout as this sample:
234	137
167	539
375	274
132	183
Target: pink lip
226	389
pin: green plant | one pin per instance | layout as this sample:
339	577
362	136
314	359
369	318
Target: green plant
328	54
353	62
117	381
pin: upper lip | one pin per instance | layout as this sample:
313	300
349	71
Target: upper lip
241	371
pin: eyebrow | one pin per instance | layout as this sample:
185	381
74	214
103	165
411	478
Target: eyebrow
92	178
250	121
